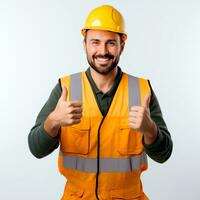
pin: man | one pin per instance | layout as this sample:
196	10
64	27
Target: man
105	120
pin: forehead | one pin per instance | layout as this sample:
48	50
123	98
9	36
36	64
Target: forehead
102	35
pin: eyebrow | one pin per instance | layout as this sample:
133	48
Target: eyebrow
111	40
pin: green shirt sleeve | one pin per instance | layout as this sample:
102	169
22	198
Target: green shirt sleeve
161	149
40	143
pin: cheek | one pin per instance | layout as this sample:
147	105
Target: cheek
120	50
90	50
115	52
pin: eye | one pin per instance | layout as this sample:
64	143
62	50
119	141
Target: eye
95	42
111	43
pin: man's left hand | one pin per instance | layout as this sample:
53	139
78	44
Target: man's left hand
141	121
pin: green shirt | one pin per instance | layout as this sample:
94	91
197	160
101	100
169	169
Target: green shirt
104	99
41	144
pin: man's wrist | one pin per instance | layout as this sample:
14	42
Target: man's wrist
51	125
150	137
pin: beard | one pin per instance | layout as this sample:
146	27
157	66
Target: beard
103	69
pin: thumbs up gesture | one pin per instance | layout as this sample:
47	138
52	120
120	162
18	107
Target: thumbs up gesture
65	114
140	120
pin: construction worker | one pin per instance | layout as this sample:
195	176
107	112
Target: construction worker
105	121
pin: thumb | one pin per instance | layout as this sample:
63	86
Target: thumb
147	99
64	93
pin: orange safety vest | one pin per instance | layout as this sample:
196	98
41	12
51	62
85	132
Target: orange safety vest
102	157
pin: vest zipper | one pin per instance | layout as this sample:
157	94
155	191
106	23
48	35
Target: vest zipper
98	155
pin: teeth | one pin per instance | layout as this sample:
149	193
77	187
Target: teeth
102	59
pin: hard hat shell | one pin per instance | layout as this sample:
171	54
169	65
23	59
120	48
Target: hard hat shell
106	18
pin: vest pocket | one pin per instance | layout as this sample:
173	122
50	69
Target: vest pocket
75	139
76	193
72	194
129	141
115	195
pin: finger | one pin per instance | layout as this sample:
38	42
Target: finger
76	116
135	120
75	121
74	104
133	113
77	110
72	110
136	115
137	109
64	93
133	125
147	99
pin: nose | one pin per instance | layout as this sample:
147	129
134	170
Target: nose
103	49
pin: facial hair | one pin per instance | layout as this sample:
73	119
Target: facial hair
105	69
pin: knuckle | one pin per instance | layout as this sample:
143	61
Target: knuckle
70	121
76	121
69	109
70	116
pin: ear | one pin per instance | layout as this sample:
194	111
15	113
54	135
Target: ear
122	46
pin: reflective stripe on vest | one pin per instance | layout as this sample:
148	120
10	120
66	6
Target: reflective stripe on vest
105	164
133	83
134	91
76	87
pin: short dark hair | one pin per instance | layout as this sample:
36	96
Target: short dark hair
120	35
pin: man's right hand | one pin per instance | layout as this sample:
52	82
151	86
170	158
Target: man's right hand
65	114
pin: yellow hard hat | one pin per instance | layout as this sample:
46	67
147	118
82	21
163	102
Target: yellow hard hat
106	18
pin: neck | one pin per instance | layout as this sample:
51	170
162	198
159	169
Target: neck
102	81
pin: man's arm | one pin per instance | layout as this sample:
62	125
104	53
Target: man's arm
56	113
40	142
161	149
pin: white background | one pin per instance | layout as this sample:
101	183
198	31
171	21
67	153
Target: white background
40	41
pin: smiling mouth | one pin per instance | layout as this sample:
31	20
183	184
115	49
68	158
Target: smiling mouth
102	60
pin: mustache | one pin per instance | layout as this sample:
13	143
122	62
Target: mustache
109	56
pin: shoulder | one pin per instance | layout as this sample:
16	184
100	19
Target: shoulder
131	76
66	77
141	80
